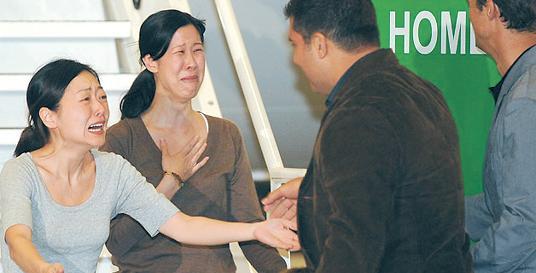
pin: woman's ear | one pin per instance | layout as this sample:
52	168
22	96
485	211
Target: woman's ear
48	117
150	64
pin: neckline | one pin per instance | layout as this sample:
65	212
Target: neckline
55	203
206	121
155	146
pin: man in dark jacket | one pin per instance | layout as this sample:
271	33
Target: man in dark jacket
383	191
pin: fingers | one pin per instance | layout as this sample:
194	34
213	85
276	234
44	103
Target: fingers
200	164
288	190
296	246
163	147
186	160
279	234
290	224
274	207
54	268
290	238
279	208
273	197
291	215
190	144
194	154
286	239
59	268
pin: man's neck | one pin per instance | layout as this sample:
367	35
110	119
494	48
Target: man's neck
343	60
509	47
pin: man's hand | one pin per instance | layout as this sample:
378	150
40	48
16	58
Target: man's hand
282	203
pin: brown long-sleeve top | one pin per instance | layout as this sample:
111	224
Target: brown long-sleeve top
223	189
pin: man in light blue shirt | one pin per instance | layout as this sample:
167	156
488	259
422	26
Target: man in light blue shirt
503	218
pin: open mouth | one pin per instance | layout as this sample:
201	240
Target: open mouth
96	127
190	78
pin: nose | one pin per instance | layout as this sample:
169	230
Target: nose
190	61
101	108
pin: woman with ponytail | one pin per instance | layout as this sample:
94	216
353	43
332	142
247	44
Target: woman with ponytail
58	196
168	142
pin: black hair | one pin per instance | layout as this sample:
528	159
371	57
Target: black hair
351	24
46	88
155	35
518	14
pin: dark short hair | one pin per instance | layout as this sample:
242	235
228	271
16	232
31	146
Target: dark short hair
46	88
156	33
518	14
351	24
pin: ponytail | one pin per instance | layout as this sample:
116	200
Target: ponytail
140	95
30	140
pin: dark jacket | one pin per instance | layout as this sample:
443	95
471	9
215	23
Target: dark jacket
383	192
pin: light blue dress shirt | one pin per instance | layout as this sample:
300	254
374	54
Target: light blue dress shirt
503	218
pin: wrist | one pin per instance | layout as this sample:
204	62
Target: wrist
254	229
43	267
176	177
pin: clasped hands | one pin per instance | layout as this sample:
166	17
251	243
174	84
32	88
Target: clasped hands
282	202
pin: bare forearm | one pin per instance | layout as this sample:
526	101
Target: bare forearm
25	255
205	231
168	186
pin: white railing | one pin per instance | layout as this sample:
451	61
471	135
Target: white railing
278	173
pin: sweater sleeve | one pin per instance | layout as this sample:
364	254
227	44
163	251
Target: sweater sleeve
125	232
245	207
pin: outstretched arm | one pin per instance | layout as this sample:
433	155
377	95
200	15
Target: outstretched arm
204	231
154	212
23	252
16	212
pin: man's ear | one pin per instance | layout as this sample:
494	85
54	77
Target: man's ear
319	44
48	117
492	10
150	64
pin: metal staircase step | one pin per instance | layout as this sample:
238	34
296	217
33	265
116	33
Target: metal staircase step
9	137
110	82
65	29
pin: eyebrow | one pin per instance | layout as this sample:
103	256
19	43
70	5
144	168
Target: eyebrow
184	44
181	45
89	89
85	89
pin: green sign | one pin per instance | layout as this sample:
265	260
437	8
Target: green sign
435	40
